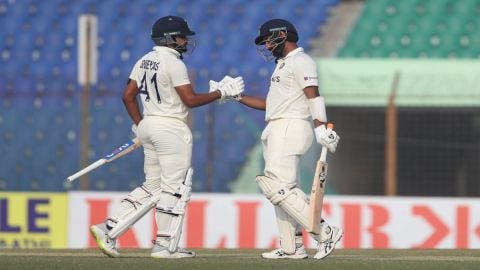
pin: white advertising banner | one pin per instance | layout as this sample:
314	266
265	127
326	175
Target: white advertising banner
247	221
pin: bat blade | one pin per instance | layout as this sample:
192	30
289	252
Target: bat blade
115	154
318	190
316	195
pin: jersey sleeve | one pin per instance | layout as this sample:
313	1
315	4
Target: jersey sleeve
178	73
305	71
134	74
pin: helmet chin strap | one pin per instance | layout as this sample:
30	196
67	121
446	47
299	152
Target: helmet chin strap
278	50
187	46
181	50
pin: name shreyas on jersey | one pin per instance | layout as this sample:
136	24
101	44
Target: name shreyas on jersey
149	64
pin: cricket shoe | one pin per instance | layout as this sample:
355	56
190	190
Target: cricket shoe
162	252
326	247
300	253
105	243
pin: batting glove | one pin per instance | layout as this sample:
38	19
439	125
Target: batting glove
236	89
327	137
220	86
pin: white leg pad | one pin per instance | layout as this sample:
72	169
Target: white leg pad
133	208
170	212
130	204
292	201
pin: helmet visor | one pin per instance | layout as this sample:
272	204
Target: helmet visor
185	44
268	47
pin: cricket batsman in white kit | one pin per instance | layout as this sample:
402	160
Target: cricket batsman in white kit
292	102
161	81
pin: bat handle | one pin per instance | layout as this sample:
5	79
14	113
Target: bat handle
323	154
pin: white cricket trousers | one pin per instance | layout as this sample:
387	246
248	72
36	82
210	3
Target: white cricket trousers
167	145
284	141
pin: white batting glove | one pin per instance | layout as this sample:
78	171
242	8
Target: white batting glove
327	137
214	86
237	91
233	88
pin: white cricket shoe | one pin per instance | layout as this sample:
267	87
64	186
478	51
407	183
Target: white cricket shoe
162	252
300	253
326	247
105	243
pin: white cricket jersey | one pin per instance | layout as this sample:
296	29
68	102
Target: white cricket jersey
285	98
156	74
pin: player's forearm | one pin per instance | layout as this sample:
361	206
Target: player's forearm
254	102
133	110
201	99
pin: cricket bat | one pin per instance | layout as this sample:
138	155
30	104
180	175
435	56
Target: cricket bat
318	190
115	154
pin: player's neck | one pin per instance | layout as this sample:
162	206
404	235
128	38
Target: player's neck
289	46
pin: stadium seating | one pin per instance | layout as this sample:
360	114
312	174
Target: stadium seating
41	98
416	28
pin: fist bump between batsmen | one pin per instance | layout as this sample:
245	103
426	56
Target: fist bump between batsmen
230	88
327	137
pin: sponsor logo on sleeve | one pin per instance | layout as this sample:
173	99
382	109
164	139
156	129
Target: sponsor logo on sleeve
306	78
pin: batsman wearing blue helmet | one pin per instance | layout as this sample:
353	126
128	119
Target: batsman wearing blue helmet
160	81
292	102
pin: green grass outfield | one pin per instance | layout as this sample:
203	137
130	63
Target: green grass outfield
133	259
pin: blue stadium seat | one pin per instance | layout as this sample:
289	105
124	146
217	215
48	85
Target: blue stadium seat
39	41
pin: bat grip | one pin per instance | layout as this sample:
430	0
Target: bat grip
323	154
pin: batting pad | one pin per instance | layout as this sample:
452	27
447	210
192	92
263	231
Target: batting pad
292	201
170	212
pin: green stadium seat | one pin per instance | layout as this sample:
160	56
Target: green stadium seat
349	52
434	8
457	24
472	24
406	7
468	53
360	39
390	40
402	24
465	7
428	24
367	24
416	28
440	53
407	53
419	41
375	8
379	53
474	39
